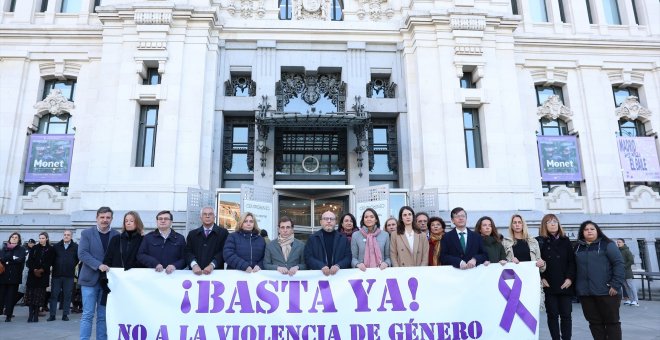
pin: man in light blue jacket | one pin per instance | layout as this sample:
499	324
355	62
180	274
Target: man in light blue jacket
91	251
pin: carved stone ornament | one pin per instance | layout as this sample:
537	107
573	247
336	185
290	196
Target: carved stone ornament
311	9
153	18
376	9
632	109
468	22
563	198
55	103
553	108
310	88
246	8
643	198
44	197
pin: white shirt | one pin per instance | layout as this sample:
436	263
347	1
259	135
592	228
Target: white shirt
411	240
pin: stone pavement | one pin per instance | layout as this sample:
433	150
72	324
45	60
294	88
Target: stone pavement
638	323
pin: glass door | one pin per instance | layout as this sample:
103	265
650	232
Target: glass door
305	209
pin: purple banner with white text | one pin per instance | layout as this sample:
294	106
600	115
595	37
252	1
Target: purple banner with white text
49	158
493	302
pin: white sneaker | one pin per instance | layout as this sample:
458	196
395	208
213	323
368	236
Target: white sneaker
627	303
634	303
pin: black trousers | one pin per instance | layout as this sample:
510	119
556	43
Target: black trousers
558	306
602	312
8	297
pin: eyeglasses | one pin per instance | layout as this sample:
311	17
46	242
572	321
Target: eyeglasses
552	222
329	218
163	218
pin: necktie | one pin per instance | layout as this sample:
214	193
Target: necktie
462	235
206	232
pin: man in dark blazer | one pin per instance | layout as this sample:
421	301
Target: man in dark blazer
204	245
465	254
64	268
285	254
327	249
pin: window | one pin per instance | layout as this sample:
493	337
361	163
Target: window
466	81
153	77
12	6
240	85
44	6
285	10
514	6
631	128
146	146
591	19
383	153
544	92
538	10
562	15
621	94
611	11
472	138
317	154
96	3
238	151
66	86
380	87
70	6
337	10
55	125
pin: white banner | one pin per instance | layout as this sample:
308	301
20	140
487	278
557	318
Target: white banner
494	302
382	209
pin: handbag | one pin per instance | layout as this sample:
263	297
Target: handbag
2	268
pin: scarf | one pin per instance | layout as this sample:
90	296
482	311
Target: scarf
285	243
11	246
372	254
434	243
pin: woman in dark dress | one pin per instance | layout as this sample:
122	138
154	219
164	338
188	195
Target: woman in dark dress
12	257
122	249
558	277
40	259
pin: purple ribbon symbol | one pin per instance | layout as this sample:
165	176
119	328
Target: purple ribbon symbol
513	304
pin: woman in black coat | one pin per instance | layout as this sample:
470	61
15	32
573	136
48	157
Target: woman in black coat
40	259
558	277
122	249
12	257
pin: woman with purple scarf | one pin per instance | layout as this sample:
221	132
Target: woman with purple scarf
370	245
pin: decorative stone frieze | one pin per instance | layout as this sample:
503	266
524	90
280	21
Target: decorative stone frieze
549	76
55	103
553	108
563	198
376	9
467	22
631	109
153	18
44	197
626	77
643	198
152	45
468	50
60	69
246	8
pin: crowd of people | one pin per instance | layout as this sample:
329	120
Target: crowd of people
592	270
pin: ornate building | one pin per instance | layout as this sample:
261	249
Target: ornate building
498	106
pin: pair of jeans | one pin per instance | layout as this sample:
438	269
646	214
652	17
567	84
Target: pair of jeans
91	298
64	284
602	312
559	306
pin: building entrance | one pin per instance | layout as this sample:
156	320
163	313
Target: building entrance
305	207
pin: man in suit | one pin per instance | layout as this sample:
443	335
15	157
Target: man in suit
91	251
327	249
204	245
66	260
461	247
286	253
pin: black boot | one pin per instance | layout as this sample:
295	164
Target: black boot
36	314
30	313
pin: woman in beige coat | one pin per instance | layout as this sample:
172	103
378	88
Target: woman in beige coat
408	245
520	246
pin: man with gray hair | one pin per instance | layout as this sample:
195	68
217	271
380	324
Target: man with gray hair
204	245
64	267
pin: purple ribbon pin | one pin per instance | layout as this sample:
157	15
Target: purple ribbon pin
513	304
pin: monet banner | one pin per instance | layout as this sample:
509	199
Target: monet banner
49	158
560	158
639	159
494	302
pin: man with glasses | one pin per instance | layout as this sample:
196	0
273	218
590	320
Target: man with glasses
327	249
91	251
64	267
163	249
204	245
461	247
286	253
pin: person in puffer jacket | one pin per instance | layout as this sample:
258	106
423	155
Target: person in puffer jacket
599	280
245	248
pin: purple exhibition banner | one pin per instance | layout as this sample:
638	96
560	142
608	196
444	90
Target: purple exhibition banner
488	302
639	159
560	158
49	158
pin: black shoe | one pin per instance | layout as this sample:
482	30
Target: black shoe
65	318
8	319
51	318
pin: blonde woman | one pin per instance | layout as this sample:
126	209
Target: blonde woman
245	248
520	246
